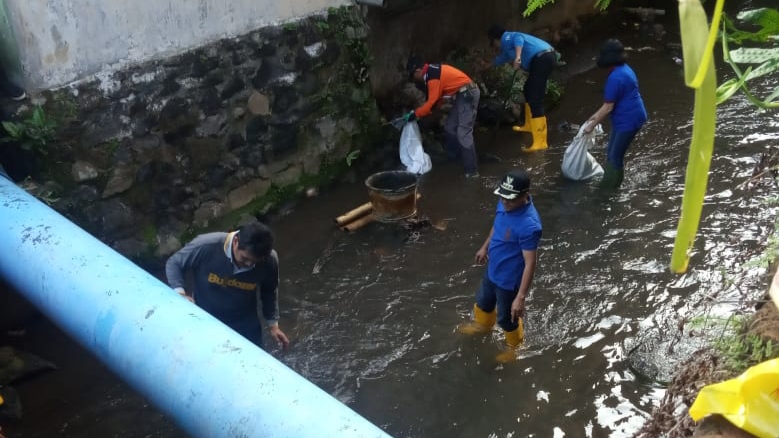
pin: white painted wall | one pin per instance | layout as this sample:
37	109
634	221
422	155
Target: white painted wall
60	41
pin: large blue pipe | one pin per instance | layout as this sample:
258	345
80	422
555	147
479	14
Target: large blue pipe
210	380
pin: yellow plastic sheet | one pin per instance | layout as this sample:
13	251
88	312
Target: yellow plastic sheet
750	401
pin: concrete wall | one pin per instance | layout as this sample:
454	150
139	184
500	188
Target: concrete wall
64	40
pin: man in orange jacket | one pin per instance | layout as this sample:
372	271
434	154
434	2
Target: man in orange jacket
444	81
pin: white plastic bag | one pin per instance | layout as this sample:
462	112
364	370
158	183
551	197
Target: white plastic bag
578	164
411	153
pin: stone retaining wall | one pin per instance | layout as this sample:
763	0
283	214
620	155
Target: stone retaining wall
149	155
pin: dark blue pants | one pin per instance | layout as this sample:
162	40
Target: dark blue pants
249	329
490	295
619	141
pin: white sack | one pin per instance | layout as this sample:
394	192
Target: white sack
578	164
411	153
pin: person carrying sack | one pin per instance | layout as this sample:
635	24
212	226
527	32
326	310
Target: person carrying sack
622	101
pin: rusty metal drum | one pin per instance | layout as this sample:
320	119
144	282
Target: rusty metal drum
393	195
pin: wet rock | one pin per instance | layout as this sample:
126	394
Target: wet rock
146	147
204	152
269	69
247	193
233	86
716	426
101	128
116	218
177	116
83	171
236	140
267	50
308	84
326	127
202	65
316	49
238	113
131	248
303	60
312	161
210	103
167	245
256	127
657	352
84	194
121	180
207	212
211	126
158	172
252	157
259	104
169	87
284	139
285	98
331	54
288	176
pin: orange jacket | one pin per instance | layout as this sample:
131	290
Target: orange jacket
441	80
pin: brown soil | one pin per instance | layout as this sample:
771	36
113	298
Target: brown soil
670	418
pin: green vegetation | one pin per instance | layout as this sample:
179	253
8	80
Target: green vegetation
149	234
737	347
32	133
44	194
767	59
698	44
352	156
534	5
699	74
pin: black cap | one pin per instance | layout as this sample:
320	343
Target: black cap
495	32
414	63
612	53
513	184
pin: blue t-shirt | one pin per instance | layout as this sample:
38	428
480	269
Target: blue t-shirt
621	89
513	232
531	46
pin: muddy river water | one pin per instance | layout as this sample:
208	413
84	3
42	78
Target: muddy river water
375	326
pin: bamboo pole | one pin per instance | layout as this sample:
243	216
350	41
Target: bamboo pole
354	214
358	217
359	223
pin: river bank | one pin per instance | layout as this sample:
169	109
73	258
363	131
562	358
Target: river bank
374	326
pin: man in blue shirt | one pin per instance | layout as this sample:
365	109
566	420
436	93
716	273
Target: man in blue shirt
537	58
622	100
510	252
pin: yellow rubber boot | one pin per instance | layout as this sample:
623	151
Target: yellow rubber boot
513	341
482	322
539	135
526	126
